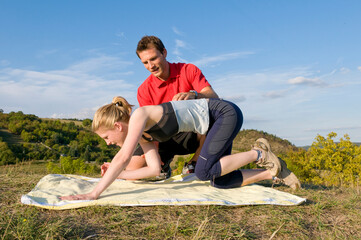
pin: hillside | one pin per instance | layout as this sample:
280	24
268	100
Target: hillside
246	137
9	137
25	137
28	137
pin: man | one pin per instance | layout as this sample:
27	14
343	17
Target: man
169	82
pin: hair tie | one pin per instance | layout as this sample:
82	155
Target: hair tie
119	104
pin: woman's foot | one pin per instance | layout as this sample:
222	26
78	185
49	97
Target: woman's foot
287	177
266	158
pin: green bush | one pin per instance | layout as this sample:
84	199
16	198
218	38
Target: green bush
6	155
179	163
68	165
327	162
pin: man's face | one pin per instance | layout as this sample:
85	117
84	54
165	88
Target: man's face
155	62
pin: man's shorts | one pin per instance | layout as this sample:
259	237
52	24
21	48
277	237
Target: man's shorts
181	144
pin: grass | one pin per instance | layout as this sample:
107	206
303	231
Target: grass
10	138
329	213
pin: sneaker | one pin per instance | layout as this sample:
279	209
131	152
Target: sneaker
189	167
268	159
287	177
165	173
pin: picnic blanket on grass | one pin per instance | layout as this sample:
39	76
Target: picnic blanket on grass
177	190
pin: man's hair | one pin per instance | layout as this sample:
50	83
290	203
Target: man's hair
148	42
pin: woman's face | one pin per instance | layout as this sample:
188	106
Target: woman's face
114	136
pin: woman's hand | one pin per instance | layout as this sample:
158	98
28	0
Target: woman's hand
104	168
88	196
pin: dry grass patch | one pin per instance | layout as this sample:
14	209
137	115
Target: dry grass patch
329	213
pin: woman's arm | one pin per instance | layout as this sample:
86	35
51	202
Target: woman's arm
136	127
153	161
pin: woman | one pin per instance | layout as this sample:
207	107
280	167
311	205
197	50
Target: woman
219	120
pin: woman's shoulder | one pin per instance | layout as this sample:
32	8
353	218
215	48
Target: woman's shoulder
150	113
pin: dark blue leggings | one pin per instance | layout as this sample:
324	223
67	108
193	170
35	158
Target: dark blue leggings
225	122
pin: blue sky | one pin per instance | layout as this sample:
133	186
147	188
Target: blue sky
293	67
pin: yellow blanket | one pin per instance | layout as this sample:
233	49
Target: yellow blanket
178	190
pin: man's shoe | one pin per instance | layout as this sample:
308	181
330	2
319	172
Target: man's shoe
189	167
287	177
165	173
267	159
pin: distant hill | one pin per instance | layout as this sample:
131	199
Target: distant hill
75	121
245	139
307	147
242	142
26	137
73	137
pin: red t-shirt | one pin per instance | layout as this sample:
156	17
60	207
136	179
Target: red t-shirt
183	78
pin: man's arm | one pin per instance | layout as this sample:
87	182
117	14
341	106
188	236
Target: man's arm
206	92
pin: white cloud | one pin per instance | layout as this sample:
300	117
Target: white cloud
220	58
179	44
120	35
359	68
275	94
333	129
307	81
73	92
4	63
176	31
344	70
101	63
46	53
236	98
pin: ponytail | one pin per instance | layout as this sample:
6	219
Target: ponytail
117	111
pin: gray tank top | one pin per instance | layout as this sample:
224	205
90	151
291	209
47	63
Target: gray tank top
192	115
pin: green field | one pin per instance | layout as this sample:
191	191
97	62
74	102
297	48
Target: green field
329	213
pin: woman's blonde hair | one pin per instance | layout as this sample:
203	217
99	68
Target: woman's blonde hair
117	111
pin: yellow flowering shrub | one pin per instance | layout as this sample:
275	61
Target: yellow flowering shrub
327	162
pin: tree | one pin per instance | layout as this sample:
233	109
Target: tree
87	154
74	150
27	136
87	122
6	155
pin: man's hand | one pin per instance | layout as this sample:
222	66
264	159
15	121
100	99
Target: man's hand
206	92
184	96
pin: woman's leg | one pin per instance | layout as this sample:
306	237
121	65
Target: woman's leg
231	162
215	162
255	175
232	178
225	122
